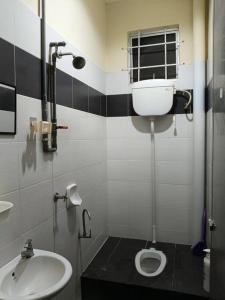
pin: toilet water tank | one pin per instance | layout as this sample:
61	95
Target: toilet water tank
153	97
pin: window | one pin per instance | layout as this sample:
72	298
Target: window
153	55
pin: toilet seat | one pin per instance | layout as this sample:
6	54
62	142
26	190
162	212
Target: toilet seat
145	254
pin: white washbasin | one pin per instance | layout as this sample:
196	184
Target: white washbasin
38	277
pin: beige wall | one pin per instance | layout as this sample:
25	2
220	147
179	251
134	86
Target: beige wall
81	22
130	15
100	30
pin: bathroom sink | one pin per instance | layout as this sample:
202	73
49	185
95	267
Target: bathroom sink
38	277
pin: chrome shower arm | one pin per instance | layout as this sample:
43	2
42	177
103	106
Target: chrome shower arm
61	54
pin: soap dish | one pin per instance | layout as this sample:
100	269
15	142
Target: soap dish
5	206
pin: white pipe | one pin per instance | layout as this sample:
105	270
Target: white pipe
199	116
153	180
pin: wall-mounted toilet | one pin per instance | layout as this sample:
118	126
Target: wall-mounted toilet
150	262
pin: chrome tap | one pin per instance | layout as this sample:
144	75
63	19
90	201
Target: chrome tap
84	235
29	251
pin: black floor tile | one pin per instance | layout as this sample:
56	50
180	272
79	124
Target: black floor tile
99	265
115	272
121	264
188	273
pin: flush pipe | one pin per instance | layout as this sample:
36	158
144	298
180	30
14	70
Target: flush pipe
45	139
153	179
199	116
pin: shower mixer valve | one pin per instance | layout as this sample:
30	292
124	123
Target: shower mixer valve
43	127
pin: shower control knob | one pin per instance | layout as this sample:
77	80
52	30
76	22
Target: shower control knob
212	225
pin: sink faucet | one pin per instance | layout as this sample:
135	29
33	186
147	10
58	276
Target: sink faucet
29	251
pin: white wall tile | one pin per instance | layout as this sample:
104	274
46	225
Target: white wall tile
128	127
168	149
185	77
174	172
170	236
42	236
170	127
27	26
129	170
67	230
175	196
10	222
37	204
118	83
118	230
175	219
128	149
27	108
10	251
34	165
129	177
9	179
7	28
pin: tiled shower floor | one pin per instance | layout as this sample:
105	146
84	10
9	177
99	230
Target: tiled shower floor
112	273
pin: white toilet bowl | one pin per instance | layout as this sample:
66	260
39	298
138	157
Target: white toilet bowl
150	262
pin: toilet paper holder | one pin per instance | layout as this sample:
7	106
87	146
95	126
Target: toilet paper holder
71	197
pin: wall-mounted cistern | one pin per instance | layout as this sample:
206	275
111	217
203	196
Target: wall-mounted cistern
85	235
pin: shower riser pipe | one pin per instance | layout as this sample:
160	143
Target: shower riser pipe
45	138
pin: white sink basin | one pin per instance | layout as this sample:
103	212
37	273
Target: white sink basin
38	277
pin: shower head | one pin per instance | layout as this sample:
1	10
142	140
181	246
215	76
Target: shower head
78	62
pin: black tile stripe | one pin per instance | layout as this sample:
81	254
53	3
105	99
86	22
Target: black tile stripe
28	74
80	95
117	105
103	105
121	105
7	63
179	101
94	101
71	92
64	89
7	99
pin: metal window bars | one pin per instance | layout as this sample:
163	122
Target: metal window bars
140	34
